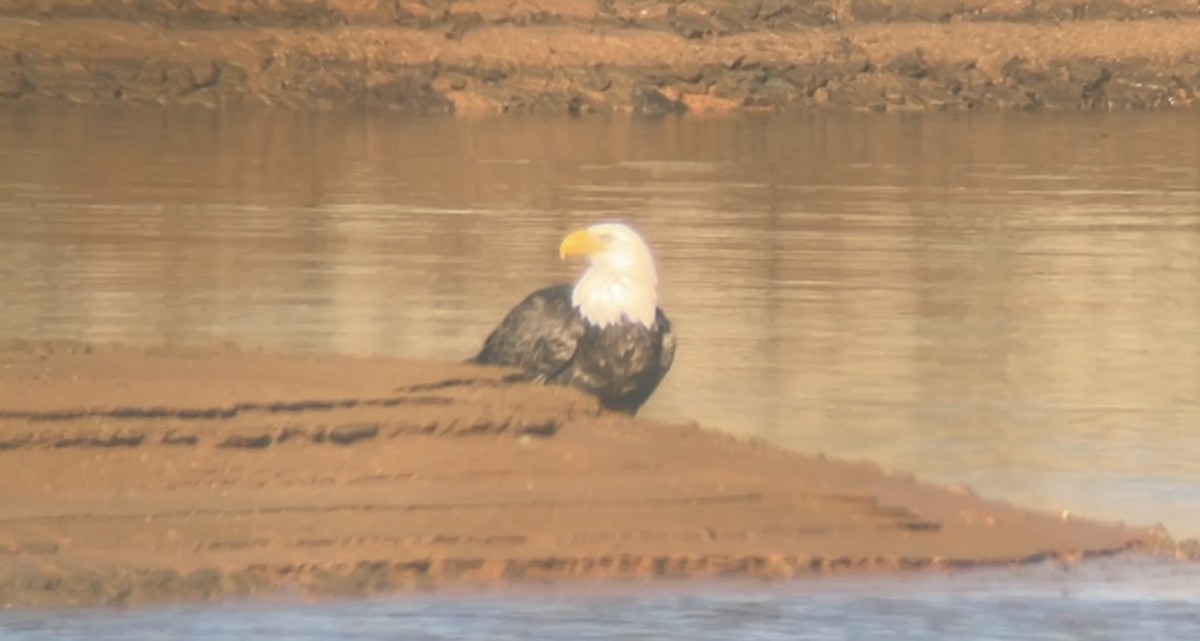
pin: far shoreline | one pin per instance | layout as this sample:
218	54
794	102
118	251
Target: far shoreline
699	57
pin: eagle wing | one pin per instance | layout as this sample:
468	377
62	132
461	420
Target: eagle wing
539	335
667	356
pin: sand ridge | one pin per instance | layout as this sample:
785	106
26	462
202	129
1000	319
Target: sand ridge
133	475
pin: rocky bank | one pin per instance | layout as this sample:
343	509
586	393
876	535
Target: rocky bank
585	56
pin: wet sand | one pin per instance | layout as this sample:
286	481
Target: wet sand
130	476
577	56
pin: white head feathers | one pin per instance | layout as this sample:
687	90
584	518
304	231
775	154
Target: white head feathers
621	282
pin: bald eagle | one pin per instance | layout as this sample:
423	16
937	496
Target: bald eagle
605	334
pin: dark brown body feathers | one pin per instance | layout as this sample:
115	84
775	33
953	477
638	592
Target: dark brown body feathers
546	336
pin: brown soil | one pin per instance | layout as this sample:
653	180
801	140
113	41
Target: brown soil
131	476
577	56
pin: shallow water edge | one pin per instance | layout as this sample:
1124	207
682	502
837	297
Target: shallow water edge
1119	598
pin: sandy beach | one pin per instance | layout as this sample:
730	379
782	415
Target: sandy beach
133	475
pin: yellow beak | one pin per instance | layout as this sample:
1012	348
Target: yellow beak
580	243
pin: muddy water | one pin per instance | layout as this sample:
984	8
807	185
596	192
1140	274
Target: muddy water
1008	301
1041	604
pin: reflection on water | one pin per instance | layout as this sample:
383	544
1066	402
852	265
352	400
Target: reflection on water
1038	604
1010	301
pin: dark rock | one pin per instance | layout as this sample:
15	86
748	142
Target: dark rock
911	64
411	92
1095	92
17	86
492	76
649	101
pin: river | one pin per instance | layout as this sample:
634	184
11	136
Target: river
1009	301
